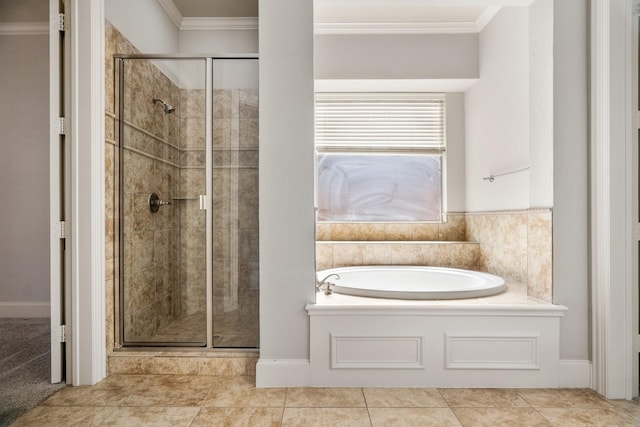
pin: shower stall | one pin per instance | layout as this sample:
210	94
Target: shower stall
187	200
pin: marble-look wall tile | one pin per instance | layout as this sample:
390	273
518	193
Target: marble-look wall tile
500	236
110	314
248	133
175	366
347	254
324	256
540	256
192	133
425	232
453	230
192	183
227	367
376	254
440	254
130	365
435	255
248	158
397	231
192	103
150	250
110	48
517	245
406	254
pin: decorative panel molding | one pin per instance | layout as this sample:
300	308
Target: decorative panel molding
492	352
376	352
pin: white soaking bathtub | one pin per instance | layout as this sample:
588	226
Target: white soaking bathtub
409	282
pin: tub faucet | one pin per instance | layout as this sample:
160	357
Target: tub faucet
326	286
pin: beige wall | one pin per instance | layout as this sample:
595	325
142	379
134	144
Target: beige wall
24	168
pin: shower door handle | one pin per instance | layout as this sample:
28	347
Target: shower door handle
203	202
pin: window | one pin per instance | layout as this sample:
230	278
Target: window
380	157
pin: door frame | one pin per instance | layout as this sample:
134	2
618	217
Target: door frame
611	222
85	29
634	69
56	191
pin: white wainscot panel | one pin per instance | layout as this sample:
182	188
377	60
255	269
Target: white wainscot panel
376	352
492	352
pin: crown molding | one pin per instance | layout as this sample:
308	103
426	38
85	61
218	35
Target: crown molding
227	23
24	28
466	27
395	27
172	10
393	85
487	15
206	24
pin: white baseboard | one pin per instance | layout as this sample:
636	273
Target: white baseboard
296	372
25	309
575	374
282	373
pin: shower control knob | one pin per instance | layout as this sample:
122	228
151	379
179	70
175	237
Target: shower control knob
155	203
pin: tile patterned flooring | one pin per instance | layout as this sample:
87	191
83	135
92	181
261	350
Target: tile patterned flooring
198	401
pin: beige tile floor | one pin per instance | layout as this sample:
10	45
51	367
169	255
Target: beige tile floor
175	400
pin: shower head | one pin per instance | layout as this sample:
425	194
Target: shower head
168	108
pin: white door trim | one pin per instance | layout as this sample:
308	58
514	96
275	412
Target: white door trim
610	194
88	347
632	67
55	257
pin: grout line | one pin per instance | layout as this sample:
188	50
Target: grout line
366	405
196	415
284	406
456	415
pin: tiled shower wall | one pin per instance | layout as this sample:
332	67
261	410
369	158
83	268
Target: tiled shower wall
151	164
167	156
515	244
191	186
235	211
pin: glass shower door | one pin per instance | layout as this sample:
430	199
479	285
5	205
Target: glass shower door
235	203
163	290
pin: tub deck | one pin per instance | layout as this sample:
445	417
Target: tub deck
505	340
515	294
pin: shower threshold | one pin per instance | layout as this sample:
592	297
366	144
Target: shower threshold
183	361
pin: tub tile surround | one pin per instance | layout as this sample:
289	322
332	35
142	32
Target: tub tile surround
516	245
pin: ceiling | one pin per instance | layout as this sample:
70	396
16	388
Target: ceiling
217	8
355	13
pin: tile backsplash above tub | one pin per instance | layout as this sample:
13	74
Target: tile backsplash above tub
513	244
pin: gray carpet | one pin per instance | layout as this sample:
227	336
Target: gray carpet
25	366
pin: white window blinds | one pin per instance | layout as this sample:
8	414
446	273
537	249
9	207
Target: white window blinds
380	122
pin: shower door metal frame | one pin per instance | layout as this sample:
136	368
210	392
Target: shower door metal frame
208	197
